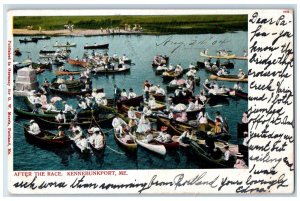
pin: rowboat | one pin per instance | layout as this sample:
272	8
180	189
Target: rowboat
158	97
158	107
103	46
52	51
104	70
219	92
229	56
205	157
160	60
45	139
71	84
104	121
228	65
152	146
168	76
229	78
81	63
131	102
25	40
66	72
238	93
173	87
176	100
69	92
211	70
130	147
65	45
29	114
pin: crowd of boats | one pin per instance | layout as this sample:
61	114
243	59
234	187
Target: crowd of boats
153	120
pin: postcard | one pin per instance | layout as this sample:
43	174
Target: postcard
155	101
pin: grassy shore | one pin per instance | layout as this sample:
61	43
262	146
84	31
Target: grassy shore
185	24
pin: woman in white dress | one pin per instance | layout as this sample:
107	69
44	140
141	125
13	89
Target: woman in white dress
144	125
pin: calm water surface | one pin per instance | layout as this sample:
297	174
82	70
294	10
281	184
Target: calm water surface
182	49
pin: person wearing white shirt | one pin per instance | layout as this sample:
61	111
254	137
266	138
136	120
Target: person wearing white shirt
118	124
103	101
144	125
246	139
67	108
131	113
63	87
152	88
160	90
50	107
82	105
34	128
124	94
147	111
152	103
60	117
241	74
191	106
212	91
226	153
91	137
82	143
174	81
131	94
237	86
75	128
191	66
99	140
171	67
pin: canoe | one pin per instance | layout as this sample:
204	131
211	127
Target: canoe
130	147
81	63
52	51
28	114
65	45
239	94
27	41
158	97
103	46
229	78
231	56
206	159
103	70
45	139
66	72
104	121
152	146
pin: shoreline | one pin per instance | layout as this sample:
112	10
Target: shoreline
76	32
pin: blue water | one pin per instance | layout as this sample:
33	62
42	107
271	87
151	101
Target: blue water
183	49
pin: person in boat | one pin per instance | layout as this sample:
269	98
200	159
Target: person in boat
160	90
206	52
214	66
43	99
61	133
163	136
190	85
82	143
124	95
171	67
245	53
210	142
92	134
117	93
174	81
149	137
212	91
245	118
34	128
36	103
46	84
131	113
218	126
131	94
75	127
144	125
178	69
203	121
179	93
186	136
60	117
147	111
63	87
202	97
152	88
192	72
152	103
182	117
198	103
99	139
240	163
67	107
127	138
220	72
192	66
81	106
51	107
119	125
223	89
241	74
224	71
218	115
228	158
71	78
237	86
191	106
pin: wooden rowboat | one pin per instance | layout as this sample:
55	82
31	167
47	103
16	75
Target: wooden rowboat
65	45
158	97
70	92
130	147
81	63
229	78
45	139
103	46
58	73
205	157
230	56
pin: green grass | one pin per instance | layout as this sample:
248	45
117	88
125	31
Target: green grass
151	24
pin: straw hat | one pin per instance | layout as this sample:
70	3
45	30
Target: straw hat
31	121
